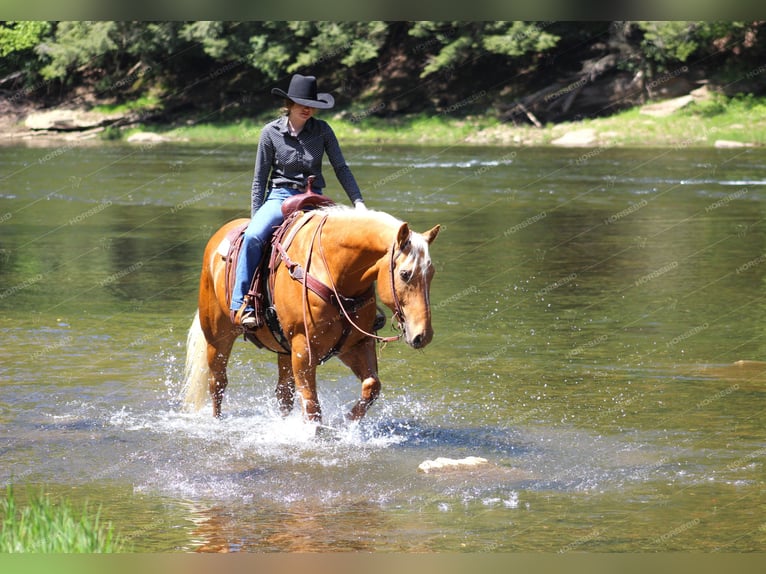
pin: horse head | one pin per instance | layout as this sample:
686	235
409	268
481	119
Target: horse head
409	275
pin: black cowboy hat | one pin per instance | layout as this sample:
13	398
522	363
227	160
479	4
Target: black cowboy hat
303	91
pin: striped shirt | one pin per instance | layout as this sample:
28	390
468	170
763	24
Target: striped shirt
284	159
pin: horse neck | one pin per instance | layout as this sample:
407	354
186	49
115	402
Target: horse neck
359	246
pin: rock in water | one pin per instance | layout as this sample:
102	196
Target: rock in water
443	463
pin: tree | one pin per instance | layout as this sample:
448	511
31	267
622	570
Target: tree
666	44
20	36
411	66
17	42
459	43
76	44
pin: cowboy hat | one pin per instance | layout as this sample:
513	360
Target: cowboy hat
303	91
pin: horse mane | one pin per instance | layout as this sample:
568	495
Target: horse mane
343	211
419	252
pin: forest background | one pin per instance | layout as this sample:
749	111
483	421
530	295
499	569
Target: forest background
385	75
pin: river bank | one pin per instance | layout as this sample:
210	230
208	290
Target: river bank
708	121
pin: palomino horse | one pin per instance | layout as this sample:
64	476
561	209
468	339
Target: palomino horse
349	250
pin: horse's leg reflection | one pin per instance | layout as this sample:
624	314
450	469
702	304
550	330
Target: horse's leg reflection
286	385
361	359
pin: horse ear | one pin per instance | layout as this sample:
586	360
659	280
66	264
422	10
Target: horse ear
431	234
403	236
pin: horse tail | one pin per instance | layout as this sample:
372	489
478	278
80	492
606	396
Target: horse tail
196	370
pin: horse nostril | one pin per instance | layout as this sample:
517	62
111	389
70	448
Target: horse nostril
417	341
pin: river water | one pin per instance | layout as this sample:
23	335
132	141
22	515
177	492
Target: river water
599	335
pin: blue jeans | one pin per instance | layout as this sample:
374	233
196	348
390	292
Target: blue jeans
257	235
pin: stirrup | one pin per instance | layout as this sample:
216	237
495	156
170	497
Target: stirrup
244	317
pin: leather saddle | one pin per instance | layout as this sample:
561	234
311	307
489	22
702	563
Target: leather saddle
305	201
292	209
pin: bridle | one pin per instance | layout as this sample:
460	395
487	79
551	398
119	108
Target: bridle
398	316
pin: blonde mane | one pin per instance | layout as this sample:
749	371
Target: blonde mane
418	257
357	214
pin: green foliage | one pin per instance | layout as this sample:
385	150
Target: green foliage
271	49
142	104
110	133
17	56
676	41
210	34
17	36
461	42
518	39
279	48
664	41
744	108
109	48
714	106
455	43
44	526
351	43
453	54
76	44
156	44
215	62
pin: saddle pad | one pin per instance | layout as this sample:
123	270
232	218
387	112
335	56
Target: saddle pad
226	244
223	247
229	250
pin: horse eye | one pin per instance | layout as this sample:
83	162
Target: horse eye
405	274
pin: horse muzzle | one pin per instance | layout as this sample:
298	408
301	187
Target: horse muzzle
417	339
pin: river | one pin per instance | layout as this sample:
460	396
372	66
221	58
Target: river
598	319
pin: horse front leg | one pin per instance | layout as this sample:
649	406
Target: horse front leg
361	359
285	390
304	372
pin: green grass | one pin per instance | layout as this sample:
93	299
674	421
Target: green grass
44	526
701	124
242	131
437	129
416	129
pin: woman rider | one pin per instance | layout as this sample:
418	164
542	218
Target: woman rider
290	150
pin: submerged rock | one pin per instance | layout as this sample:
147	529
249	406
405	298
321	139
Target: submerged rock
147	137
443	463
